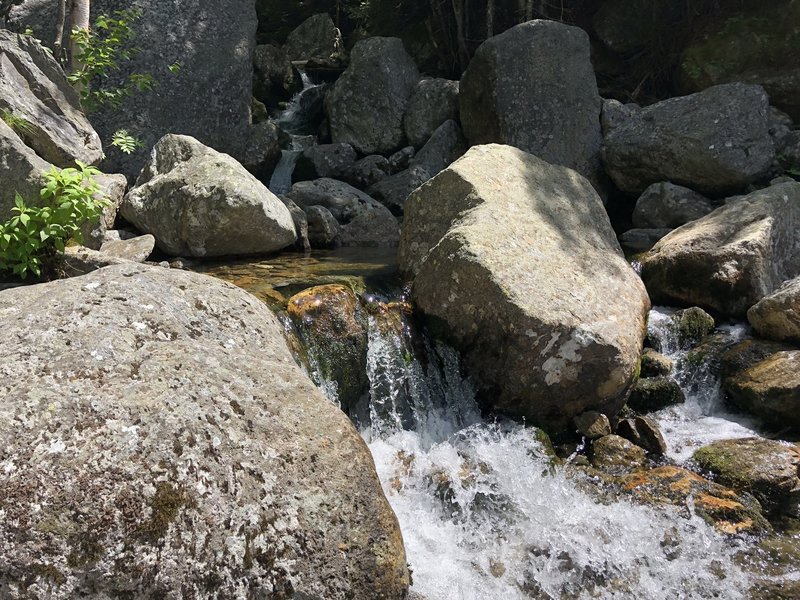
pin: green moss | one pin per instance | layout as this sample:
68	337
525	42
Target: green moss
85	550
693	324
165	506
719	462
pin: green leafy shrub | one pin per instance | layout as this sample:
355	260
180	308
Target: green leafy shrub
33	239
126	142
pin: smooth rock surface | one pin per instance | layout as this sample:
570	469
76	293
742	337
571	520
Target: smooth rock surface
517	258
199	202
445	145
716	141
650	394
533	87
20	172
158	440
136	249
730	259
666	205
777	316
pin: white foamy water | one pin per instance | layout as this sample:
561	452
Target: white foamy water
485	515
703	418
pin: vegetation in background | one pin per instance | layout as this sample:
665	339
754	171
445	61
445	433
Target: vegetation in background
35	237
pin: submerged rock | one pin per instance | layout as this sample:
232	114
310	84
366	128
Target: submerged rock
159	440
777	316
715	141
199	202
533	87
730	259
518	261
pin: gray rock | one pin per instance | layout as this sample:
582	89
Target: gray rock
112	188
650	394
262	150
208	98
80	260
730	259
199	202
364	221
642	240
367	171
445	146
324	160
593	425
666	205
655	364
517	258
34	88
533	87
323	229
400	160
113	235
274	77
777	316
715	141
393	191
167	444
644	432
616	455
300	221
136	249
789	157
315	38
20	172
366	105
614	113
434	101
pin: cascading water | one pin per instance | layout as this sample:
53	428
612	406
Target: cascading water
485	514
703	418
298	119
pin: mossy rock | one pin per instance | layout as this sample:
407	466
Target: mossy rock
650	394
616	455
692	325
655	364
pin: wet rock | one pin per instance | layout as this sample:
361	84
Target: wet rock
366	105
533	87
324	160
728	512
199	202
748	353
642	240
323	229
445	146
332	325
315	38
644	432
715	141
433	102
367	171
655	364
650	394
35	91
767	469
667	205
730	259
393	191
364	221
593	425
487	243
262	151
692	325
777	316
616	455
136	249
174	406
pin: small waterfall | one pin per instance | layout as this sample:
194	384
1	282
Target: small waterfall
281	180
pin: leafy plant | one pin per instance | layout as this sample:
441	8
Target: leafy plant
101	51
32	240
126	142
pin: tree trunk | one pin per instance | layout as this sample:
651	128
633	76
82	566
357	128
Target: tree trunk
79	19
58	43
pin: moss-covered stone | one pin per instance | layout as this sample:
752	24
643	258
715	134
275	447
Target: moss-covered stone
655	364
616	455
164	508
692	325
654	393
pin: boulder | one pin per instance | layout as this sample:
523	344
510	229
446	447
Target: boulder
445	145
616	455
300	224
80	260
641	240
400	160
274	77
172	446
21	172
367	171
36	94
433	102
136	249
364	221
323	229
730	259
767	469
777	316
262	150
614	113
655	364
366	105
393	191
518	261
650	394
533	87
199	202
668	205
593	425
644	432
716	141
207	98
315	38
324	160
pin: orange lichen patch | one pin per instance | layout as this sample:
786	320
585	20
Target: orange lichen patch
728	528
715	503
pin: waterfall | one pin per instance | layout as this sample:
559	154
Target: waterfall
281	180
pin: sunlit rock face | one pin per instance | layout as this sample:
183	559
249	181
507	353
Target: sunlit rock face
517	258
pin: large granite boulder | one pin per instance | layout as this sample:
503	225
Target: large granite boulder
433	102
157	440
274	77
533	87
208	98
199	202
445	145
363	220
517	260
716	141
21	171
730	259
315	38
777	316
666	205
34	89
366	106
